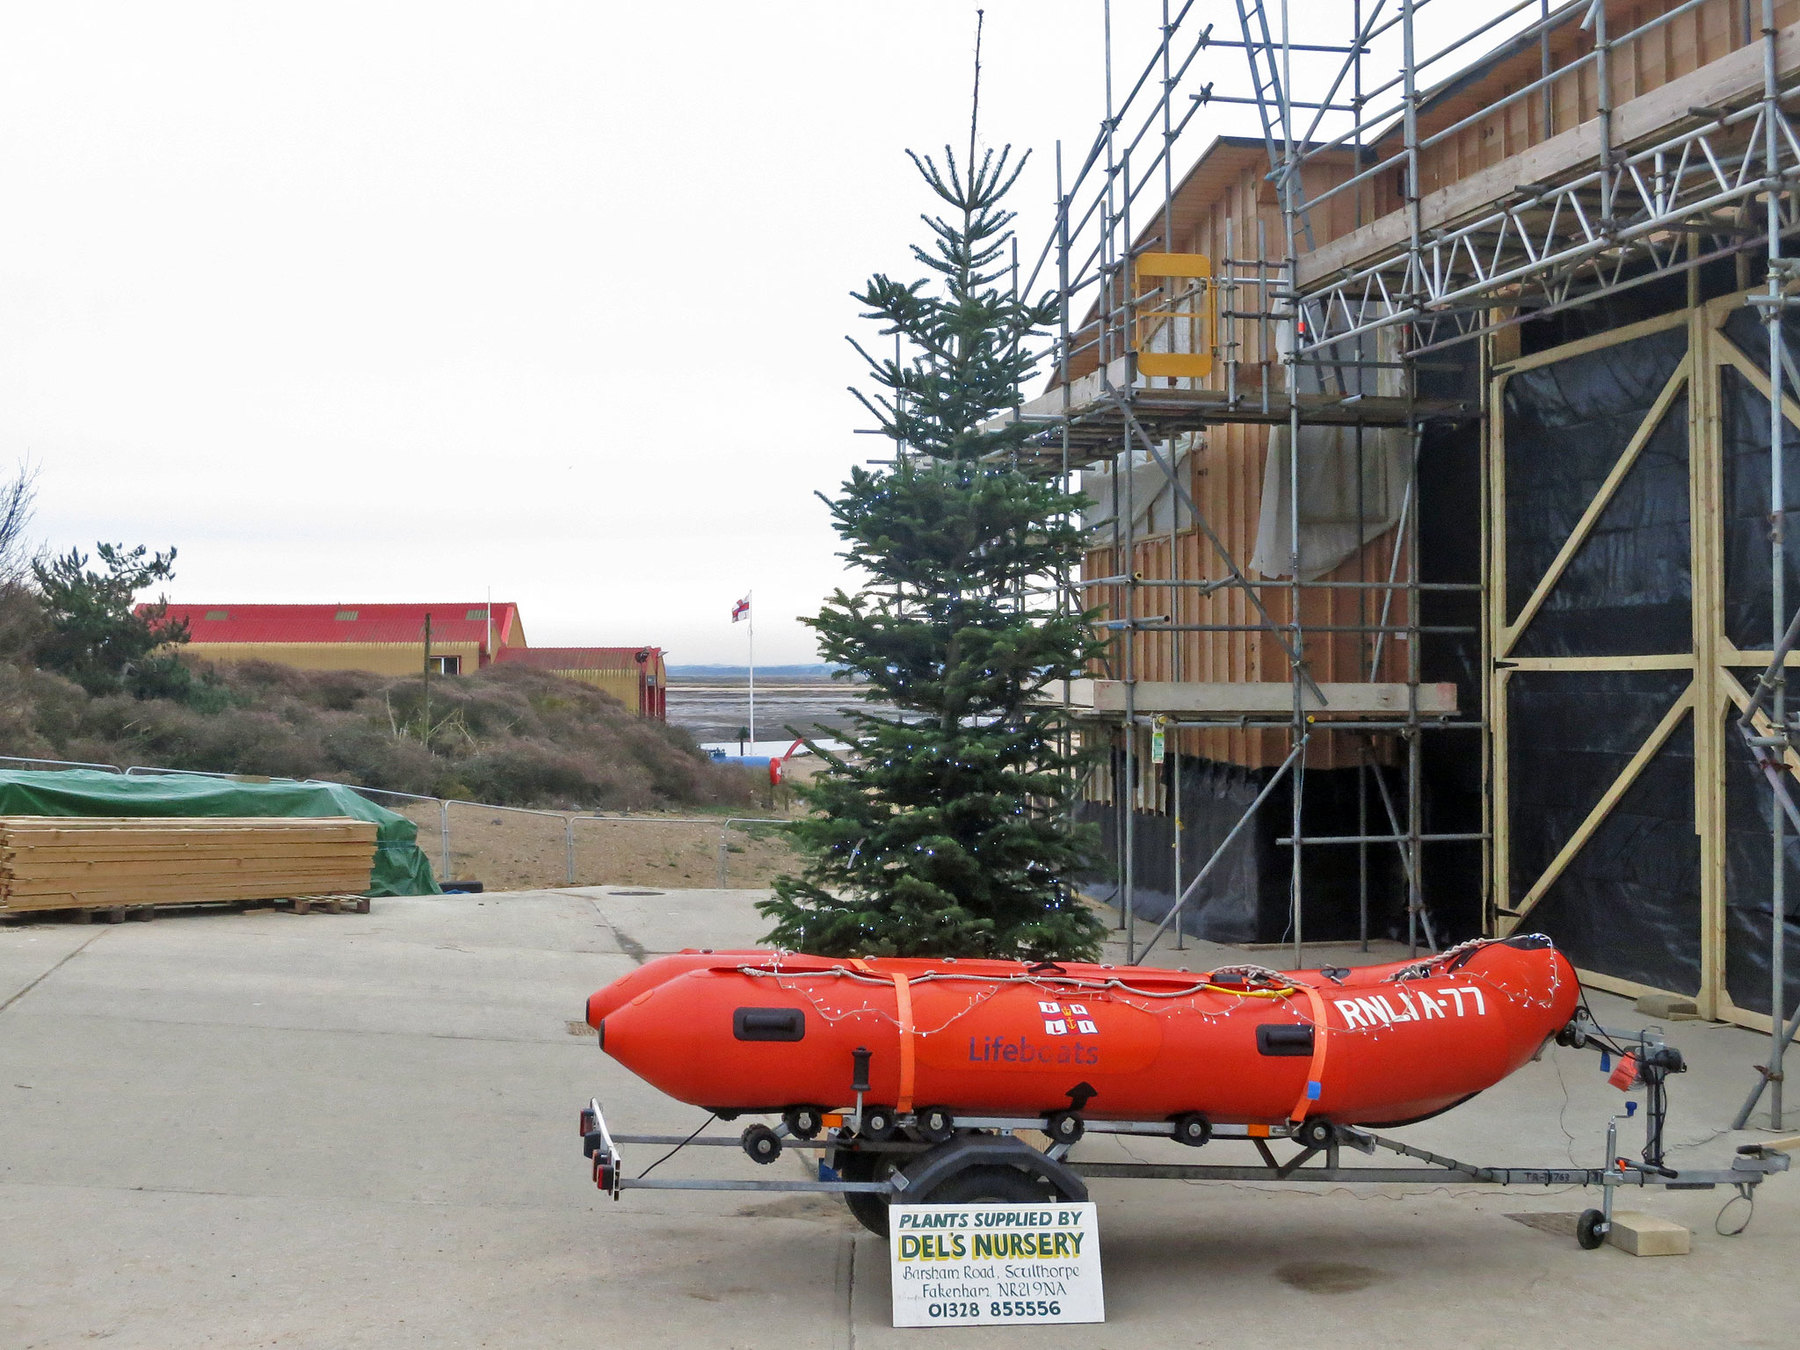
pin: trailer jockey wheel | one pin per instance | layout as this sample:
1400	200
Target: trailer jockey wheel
803	1122
1590	1229
1193	1129
1064	1127
934	1124
762	1144
1316	1133
877	1123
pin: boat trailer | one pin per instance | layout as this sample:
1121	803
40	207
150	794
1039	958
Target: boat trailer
873	1156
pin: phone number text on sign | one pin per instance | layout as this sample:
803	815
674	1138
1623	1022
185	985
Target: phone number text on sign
978	1265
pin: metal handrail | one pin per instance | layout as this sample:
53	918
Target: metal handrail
58	763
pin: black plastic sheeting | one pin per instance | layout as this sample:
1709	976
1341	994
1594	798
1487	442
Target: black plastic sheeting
1749	853
1647	299
1627	589
1744	430
1628	903
1451	762
1750	621
1245	898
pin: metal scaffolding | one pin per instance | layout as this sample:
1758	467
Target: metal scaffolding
1615	202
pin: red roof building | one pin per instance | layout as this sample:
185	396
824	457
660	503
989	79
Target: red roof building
633	675
473	632
390	640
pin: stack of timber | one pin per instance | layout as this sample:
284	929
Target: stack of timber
105	862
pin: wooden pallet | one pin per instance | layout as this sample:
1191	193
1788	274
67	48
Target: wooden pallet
123	864
297	904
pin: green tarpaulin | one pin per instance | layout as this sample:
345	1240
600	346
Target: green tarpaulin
401	868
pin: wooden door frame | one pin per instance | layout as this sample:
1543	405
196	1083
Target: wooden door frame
1723	657
1504	632
1713	690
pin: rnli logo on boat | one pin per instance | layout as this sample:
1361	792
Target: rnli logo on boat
1061	1019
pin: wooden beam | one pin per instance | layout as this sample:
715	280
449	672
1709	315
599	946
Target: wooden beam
1238	698
1676	382
1094	420
1759	380
1603	808
65	862
1659	661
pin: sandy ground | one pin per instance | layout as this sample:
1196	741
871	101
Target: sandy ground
513	851
517	850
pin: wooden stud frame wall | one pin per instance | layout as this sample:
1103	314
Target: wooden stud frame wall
1713	688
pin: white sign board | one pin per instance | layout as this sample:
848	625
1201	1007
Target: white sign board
985	1265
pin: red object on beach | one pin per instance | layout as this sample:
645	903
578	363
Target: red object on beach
760	1030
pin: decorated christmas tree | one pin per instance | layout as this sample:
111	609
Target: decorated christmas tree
945	828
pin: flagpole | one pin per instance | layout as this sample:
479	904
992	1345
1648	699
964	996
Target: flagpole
750	614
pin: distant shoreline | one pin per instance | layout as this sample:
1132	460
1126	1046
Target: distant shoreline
813	672
713	703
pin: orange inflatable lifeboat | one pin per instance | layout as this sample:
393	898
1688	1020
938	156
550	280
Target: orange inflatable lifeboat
765	1031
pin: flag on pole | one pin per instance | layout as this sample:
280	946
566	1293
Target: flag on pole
741	610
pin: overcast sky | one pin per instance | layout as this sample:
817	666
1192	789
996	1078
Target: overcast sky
384	301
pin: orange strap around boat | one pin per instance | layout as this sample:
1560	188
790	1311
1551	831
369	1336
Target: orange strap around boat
903	1014
903	1010
1315	1072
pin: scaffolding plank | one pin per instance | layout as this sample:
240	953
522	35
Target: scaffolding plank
1239	698
1096	425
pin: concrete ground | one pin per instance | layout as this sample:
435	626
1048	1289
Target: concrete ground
262	1129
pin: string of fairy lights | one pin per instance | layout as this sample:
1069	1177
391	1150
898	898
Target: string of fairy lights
1230	991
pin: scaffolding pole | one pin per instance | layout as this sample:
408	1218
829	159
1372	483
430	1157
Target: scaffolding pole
1103	265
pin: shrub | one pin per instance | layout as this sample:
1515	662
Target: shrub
514	737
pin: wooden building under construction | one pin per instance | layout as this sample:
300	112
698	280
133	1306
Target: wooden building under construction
1435	530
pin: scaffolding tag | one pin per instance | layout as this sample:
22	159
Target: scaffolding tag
1159	742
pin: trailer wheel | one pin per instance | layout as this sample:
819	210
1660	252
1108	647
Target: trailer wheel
989	1185
803	1122
867	1208
1193	1129
877	1123
761	1143
935	1124
1590	1229
1315	1133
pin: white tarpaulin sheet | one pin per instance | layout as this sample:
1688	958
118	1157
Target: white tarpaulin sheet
1152	499
1350	491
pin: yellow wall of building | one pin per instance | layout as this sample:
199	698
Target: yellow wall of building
381	658
621	684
